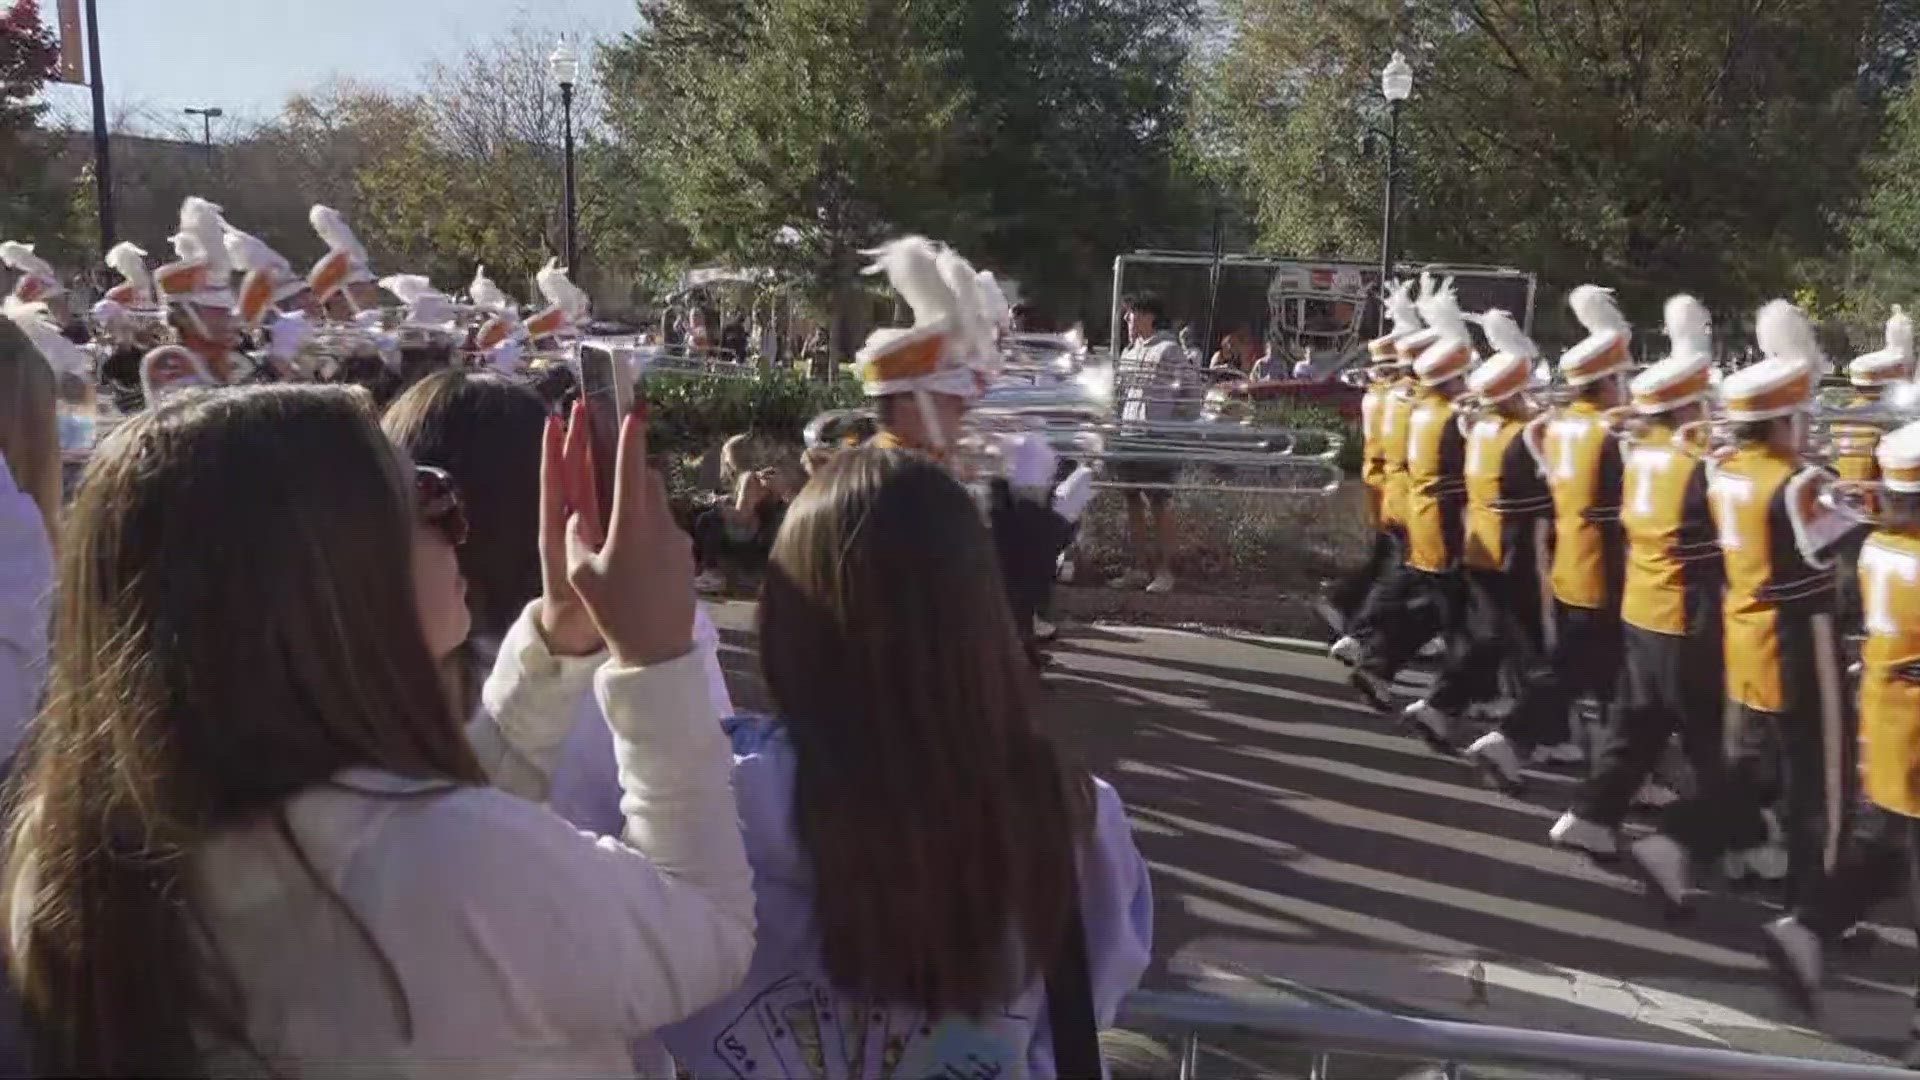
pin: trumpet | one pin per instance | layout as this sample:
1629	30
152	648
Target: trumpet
1470	409
1857	500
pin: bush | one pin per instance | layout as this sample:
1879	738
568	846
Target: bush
1311	418
690	414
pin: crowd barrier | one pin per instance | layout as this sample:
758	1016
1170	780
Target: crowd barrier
1191	1020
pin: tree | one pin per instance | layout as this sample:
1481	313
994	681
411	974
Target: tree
811	129
29	206
1655	146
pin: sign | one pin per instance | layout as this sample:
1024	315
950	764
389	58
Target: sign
72	67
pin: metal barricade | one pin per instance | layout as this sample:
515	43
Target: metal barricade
1448	1047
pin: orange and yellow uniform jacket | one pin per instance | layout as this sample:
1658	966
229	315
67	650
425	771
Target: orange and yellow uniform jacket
1581	460
1854	444
1506	497
1673	552
1373	460
1436	485
1890	670
1396	417
1762	497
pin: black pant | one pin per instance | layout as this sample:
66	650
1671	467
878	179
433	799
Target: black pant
1501	637
1668	683
1880	857
1028	538
1412	607
1349	595
1804	756
1384	589
1583	661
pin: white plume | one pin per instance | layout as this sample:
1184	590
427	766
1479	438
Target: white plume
333	229
970	308
1900	333
1440	307
129	261
250	253
1596	309
426	305
1505	335
201	222
21	257
1783	331
1689	327
560	291
486	294
912	266
34	321
993	300
407	287
1401	309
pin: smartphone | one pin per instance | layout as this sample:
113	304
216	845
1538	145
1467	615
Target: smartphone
608	392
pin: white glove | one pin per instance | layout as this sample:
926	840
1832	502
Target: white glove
1070	499
286	334
1030	461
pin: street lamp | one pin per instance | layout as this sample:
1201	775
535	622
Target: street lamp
566	69
207	117
1396	84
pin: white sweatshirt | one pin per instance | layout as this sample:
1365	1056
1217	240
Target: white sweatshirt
26	595
524	947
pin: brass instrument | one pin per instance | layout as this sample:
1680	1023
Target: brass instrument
1857	500
1076	416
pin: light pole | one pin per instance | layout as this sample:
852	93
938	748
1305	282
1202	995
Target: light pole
1396	83
207	117
566	68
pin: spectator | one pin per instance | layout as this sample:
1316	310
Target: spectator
918	842
733	340
1303	368
737	535
1149	384
258	841
1231	356
29	510
485	430
1269	368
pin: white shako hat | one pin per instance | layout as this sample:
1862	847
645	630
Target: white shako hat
38	281
1502	376
1899	458
1451	354
1685	376
1406	320
1783	383
345	262
1603	351
1891	364
203	274
949	347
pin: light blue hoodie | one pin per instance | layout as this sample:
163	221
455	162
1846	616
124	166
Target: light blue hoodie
786	1020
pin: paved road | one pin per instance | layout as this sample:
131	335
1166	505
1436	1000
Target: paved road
1301	847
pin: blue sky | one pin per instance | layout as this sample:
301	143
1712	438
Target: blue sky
247	56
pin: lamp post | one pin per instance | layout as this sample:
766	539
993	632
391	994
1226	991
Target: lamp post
207	117
566	69
102	168
1396	84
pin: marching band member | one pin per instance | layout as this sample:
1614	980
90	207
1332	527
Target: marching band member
1506	530
341	282
272	297
1883	846
1390	590
1670	603
37	283
923	381
1783	664
1344	601
1581	459
1853	444
1435	497
197	289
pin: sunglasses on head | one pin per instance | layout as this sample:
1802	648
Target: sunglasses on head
438	503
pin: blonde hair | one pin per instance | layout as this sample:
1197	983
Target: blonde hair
29	432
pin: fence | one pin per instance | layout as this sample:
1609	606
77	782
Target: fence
1323	1032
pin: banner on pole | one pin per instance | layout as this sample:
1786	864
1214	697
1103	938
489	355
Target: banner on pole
72	67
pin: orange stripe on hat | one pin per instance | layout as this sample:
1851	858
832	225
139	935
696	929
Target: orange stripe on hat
914	357
1661	398
329	275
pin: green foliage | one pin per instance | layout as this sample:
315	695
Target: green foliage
1654	146
690	415
1310	420
28	203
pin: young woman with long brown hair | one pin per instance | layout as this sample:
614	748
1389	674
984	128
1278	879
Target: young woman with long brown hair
917	841
484	429
252	837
